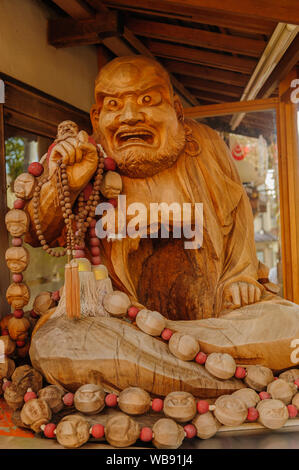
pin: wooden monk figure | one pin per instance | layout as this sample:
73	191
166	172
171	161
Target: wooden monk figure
164	158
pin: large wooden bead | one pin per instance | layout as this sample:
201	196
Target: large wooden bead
7	345
282	390
111	185
52	394
17	295
273	414
230	411
72	431
116	303
14	396
43	302
121	430
26	377
24	186
295	400
17	222
5	320
90	399
134	401
7	366
151	322
206	425
167	434
183	346
290	375
180	406
248	396
221	365
18	328
17	259
258	377
35	413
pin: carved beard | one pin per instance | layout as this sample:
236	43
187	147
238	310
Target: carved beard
141	162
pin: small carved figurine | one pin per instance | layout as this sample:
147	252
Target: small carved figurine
273	414
151	322
230	411
17	295
180	406
183	346
90	399
121	430
282	390
221	365
36	412
206	425
24	186
17	222
258	377
167	434
72	431
52	394
17	259
134	401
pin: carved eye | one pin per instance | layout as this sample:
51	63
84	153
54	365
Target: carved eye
146	99
112	103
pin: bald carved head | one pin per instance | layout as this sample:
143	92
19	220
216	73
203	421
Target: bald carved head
137	118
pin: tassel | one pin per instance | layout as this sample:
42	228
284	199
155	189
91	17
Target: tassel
72	291
76	290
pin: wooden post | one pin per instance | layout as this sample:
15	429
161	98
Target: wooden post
104	56
288	151
4	279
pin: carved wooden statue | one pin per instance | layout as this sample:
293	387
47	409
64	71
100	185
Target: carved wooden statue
211	292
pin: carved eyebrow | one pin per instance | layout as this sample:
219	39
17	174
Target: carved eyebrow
137	91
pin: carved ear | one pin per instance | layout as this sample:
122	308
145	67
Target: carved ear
178	108
94	116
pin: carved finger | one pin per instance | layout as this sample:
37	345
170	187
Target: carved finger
257	294
82	136
251	292
244	292
79	154
59	149
70	151
235	293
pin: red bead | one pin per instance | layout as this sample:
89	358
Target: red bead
18	313
98	431
68	399
109	164
111	400
202	406
17	241
19	204
4	332
6	384
252	414
29	396
132	312
190	431
95	251
49	430
93	223
55	296
157	405
80	247
201	358
94	241
95	260
17	278
240	372
20	343
292	411
35	169
275	378
92	232
146	434
297	382
113	202
33	314
79	254
166	334
87	191
264	395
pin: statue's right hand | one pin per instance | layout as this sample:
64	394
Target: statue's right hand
79	155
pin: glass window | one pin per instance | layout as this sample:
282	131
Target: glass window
253	146
44	272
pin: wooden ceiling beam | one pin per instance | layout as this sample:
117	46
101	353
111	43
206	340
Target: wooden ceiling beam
195	15
195	70
196	37
204	57
77	9
208	85
210	96
63	32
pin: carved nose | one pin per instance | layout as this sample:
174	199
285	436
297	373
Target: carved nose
130	114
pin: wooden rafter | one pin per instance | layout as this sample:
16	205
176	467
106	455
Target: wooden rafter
77	9
195	15
196	37
197	56
207	85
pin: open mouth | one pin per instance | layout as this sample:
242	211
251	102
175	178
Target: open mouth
134	136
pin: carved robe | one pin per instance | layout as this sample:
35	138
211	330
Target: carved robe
161	274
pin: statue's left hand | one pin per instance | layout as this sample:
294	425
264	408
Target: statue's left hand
239	294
